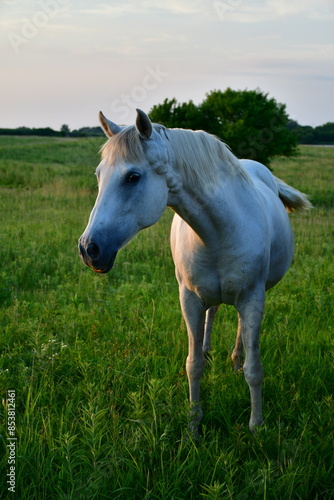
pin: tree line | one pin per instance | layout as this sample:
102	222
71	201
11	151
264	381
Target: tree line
47	131
321	135
252	124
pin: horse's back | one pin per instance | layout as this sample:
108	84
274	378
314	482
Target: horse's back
259	173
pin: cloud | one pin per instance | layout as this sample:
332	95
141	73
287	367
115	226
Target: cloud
296	58
186	7
270	10
320	9
117	9
176	6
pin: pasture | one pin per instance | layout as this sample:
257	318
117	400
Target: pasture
97	362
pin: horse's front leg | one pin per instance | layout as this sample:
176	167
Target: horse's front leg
210	316
238	351
194	314
250	310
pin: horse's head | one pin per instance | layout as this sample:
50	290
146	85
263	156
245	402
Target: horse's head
133	189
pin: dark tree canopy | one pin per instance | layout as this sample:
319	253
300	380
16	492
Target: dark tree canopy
253	125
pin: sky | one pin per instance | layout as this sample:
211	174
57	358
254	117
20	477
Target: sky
61	61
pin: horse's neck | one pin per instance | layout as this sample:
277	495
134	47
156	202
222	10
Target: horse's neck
208	213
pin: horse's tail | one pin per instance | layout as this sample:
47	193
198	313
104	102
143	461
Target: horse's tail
294	200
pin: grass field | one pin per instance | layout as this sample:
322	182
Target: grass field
97	362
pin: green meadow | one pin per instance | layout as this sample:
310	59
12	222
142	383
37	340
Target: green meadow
95	364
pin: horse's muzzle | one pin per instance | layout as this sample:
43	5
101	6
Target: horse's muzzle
94	258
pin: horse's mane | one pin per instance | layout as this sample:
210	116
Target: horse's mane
200	158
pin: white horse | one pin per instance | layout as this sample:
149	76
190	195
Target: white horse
231	237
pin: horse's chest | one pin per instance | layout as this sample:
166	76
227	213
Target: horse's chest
206	285
215	278
202	276
216	273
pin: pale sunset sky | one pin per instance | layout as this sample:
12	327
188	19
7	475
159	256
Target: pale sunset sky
64	60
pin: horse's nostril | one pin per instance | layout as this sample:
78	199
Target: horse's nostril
93	251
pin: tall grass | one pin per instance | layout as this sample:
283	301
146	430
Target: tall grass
97	362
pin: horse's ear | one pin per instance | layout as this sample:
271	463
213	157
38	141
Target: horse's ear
143	124
109	128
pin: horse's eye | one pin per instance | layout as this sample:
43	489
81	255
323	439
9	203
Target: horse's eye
132	178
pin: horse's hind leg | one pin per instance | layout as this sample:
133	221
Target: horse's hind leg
250	309
238	351
210	316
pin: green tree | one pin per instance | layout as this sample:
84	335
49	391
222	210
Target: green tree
171	114
65	130
253	125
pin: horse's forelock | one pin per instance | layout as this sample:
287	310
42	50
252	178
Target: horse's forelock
125	146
